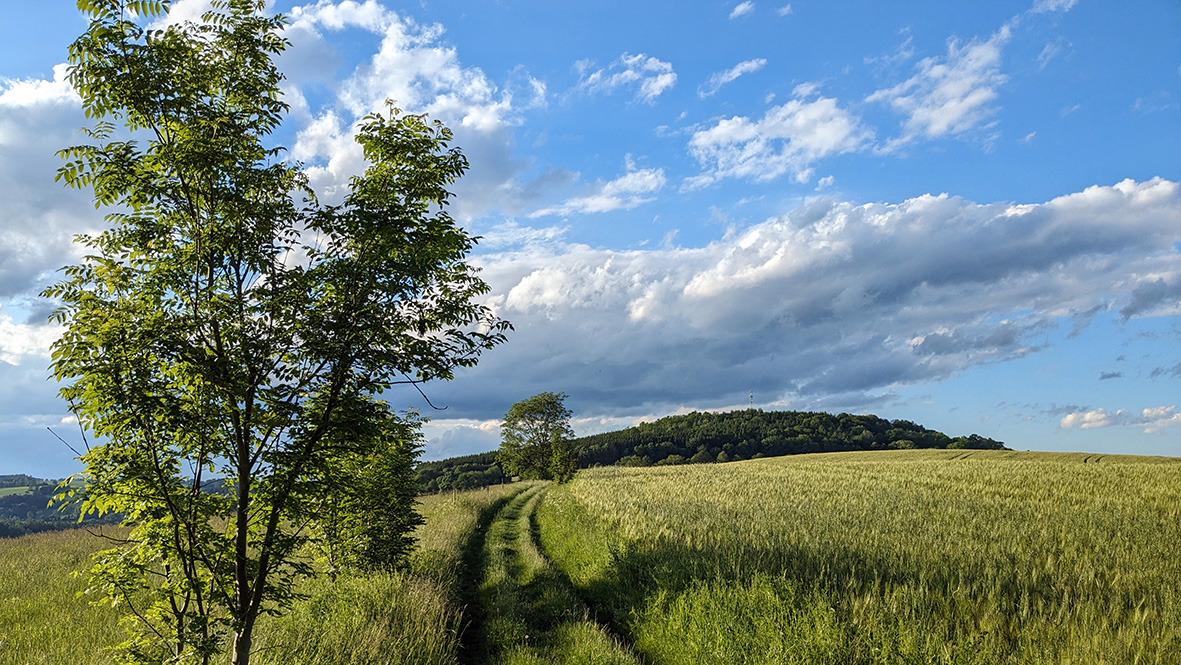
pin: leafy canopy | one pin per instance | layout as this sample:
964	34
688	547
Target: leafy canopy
535	438
225	325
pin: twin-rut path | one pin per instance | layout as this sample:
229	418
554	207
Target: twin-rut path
525	610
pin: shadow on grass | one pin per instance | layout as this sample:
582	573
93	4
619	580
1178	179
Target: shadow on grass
826	602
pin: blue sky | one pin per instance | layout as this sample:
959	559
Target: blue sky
963	214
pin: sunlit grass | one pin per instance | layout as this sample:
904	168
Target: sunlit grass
414	616
530	612
42	619
924	556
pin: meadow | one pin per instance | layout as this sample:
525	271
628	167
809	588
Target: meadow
414	616
881	557
924	556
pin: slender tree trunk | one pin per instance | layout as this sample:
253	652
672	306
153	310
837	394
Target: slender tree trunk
242	640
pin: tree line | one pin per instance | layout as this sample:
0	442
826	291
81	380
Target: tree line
704	437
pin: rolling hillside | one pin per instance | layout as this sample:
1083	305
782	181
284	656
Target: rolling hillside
716	437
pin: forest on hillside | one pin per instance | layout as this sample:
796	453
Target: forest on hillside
702	437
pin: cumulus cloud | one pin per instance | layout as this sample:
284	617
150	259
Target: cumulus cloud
39	217
1152	419
834	298
742	9
951	95
648	75
623	193
1093	419
716	81
1153	294
416	68
784	10
787	139
19	341
460	436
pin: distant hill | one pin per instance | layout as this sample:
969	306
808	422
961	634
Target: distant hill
699	437
20	480
24	508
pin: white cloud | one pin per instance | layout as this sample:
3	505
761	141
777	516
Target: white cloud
787	139
719	79
948	96
459	436
40	217
1152	419
1158	418
20	341
412	66
784	10
27	93
1041	6
181	11
830	300
650	76
624	193
742	9
1051	51
415	68
511	234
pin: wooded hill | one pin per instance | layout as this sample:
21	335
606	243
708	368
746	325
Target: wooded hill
715	437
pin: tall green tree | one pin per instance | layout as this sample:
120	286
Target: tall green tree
535	438
225	325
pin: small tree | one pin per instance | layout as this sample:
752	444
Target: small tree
368	521
217	328
535	439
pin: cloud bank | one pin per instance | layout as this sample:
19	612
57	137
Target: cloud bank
831	299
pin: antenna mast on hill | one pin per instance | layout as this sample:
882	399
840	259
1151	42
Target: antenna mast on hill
752	399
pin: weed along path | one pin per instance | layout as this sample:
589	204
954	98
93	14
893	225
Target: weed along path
529	614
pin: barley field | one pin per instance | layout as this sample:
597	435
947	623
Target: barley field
881	557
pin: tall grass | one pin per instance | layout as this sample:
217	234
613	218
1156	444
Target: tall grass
42	619
414	616
923	556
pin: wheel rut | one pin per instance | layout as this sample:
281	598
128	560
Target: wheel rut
527	611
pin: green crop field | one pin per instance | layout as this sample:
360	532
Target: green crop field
873	557
6	491
881	557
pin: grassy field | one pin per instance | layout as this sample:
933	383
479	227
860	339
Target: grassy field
6	491
884	557
415	617
899	557
412	617
42	620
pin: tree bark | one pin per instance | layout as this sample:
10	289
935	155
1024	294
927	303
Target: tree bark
242	640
